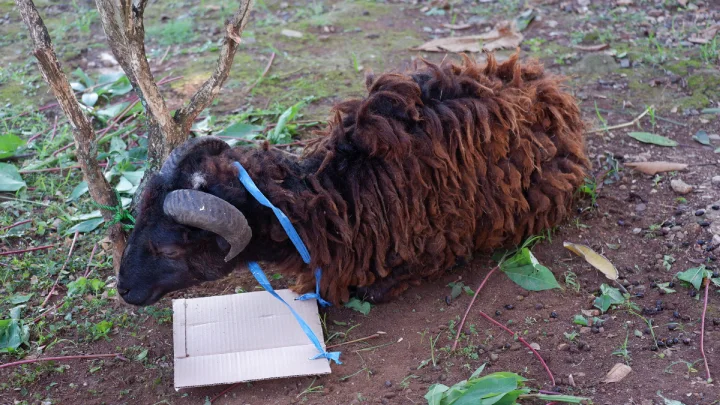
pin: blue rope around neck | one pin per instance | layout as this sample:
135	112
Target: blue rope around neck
255	269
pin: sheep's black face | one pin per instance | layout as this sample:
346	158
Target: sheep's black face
163	256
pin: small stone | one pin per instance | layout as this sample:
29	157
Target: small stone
640	207
680	186
519	298
389	395
637	230
672	326
584	330
509	307
494	357
699	213
624	63
553	314
562	346
686	341
715	181
498	313
388	383
539	306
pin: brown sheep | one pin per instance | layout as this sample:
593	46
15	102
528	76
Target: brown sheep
428	168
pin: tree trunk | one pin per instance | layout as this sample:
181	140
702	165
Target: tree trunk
83	133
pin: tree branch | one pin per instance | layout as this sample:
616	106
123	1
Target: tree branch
207	92
83	132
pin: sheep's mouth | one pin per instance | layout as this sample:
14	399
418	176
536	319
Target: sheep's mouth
155	295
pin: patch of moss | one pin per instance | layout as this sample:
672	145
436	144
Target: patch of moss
682	67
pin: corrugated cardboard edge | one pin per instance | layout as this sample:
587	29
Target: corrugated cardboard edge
181	345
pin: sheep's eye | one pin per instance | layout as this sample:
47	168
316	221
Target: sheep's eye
167	251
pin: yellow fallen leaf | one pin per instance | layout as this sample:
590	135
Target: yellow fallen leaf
597	260
503	36
653	168
617	373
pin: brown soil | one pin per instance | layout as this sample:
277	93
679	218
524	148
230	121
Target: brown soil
636	223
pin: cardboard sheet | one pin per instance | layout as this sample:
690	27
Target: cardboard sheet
243	337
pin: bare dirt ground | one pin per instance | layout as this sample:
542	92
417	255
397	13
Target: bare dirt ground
620	57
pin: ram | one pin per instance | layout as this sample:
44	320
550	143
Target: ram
428	168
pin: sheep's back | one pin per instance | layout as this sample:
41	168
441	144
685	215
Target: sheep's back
450	159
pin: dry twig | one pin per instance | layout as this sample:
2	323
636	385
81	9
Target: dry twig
627	124
706	282
523	341
63	358
67	259
472	301
17	252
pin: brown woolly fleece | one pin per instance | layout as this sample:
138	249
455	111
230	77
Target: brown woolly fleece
428	168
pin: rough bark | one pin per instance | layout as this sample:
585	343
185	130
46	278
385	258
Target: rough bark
123	24
83	133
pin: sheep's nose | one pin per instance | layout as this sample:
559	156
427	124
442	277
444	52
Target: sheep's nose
123	291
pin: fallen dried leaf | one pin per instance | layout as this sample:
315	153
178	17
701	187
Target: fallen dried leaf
503	36
680	186
706	35
652	168
458	27
595	259
292	33
624	2
617	373
592	48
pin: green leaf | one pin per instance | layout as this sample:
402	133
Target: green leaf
279	135
647	137
669	401
435	394
13	333
524	269
77	86
580	320
86	226
710	111
113	110
20	298
87	81
89	99
479	371
83	217
143	354
9	143
134	177
77	287
507	398
242	130
125	186
121	87
96	285
78	191
568	399
717	150
694	276
358	305
117	145
492	384
665	288
702	137
524	19
609	296
10	179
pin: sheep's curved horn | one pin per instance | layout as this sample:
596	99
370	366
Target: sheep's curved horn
211	213
181	152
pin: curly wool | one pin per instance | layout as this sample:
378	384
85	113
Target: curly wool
428	168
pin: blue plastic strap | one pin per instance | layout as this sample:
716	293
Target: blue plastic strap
284	221
316	294
262	279
255	269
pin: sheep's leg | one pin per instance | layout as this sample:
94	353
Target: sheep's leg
384	290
